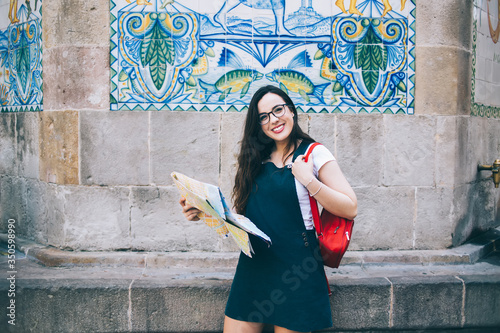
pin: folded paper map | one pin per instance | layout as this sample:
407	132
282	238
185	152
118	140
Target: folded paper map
216	213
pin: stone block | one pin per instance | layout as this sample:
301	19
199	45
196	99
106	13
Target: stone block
322	129
450	25
477	149
493	140
482	300
477	210
304	122
76	78
447	137
55	215
34	194
114	148
483	146
71	306
27	152
465	172
59	147
426	302
479	144
157	224
13	203
45	212
410	148
385	218
485	205
359	304
8	143
96	218
78	22
185	142
360	145
443	77
197	307
435	218
232	125
462	226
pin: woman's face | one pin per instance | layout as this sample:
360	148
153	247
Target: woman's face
277	128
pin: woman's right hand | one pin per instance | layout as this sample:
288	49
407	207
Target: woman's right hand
190	212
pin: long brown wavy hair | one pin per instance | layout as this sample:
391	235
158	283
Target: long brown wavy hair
257	146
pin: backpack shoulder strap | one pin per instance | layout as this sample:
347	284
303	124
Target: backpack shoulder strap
314	204
310	149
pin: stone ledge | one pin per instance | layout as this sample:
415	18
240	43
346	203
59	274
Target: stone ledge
187	292
468	253
131	304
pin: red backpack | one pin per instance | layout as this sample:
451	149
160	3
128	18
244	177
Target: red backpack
334	233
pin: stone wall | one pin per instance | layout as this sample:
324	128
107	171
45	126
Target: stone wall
79	176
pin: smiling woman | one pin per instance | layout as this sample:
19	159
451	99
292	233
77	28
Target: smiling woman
282	284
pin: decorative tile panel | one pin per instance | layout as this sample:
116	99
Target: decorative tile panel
486	59
213	55
21	56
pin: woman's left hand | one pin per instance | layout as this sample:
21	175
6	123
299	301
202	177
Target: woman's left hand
302	170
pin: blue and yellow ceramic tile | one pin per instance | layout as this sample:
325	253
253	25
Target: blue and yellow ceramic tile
485	80
21	57
330	56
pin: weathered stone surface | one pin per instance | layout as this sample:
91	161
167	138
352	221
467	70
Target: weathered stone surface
379	224
477	211
8	143
59	147
462	226
34	193
465	172
434	220
483	146
180	296
76	78
477	149
34	206
114	148
232	125
54	215
78	22
45	212
185	142
304	122
446	149
443	80
360	303
360	142
482	300
98	305
322	129
13	203
478	143
96	218
450	25
425	302
190	308
27	129
409	150
493	140
157	224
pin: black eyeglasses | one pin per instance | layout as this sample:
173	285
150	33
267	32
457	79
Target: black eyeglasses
278	111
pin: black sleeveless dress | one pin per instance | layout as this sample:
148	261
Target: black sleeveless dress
284	284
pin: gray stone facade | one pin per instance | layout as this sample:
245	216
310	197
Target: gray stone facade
79	176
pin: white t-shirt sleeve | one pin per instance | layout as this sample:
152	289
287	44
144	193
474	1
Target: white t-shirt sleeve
320	155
